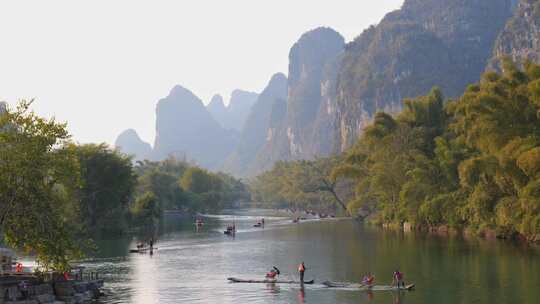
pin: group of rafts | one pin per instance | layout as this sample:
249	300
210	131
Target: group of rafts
359	286
367	282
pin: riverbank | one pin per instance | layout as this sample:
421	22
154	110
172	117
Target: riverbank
21	289
466	232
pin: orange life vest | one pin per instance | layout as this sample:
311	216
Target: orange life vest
19	267
301	268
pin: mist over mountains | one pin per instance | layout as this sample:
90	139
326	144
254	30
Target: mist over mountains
335	88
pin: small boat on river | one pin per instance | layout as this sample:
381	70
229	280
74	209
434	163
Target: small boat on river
142	250
231	230
366	287
268	281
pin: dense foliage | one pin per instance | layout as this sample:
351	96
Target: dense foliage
146	209
179	185
472	162
55	195
300	185
107	184
38	173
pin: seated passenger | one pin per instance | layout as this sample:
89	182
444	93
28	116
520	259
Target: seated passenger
368	280
273	273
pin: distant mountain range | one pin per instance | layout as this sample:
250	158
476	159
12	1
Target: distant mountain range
334	89
130	142
233	116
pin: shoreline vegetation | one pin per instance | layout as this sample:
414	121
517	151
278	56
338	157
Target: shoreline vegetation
57	195
469	164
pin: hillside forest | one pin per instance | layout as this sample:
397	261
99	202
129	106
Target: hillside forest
470	162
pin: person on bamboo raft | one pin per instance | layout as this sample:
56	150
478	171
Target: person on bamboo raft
368	279
273	273
397	278
301	270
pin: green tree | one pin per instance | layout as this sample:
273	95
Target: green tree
301	184
179	185
200	181
37	175
472	162
108	183
146	209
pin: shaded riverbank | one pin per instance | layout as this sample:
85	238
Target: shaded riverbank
466	232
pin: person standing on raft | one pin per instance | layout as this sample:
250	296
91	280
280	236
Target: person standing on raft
301	270
397	278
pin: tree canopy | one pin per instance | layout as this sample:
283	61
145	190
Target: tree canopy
472	162
55	196
38	173
301	185
107	184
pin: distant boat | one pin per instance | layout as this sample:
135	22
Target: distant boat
366	287
142	250
230	230
268	281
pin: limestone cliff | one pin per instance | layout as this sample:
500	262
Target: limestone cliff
293	137
3	106
184	128
217	109
234	115
130	143
520	39
258	128
426	43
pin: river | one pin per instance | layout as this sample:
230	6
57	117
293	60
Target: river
191	265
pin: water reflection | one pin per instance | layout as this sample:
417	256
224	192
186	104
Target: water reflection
302	295
397	296
146	279
273	288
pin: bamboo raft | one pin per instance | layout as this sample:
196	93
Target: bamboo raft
142	250
267	281
366	287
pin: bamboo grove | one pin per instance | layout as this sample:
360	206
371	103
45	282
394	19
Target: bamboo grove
470	162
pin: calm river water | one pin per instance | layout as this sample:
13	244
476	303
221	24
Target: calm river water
192	266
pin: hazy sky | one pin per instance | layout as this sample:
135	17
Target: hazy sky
102	65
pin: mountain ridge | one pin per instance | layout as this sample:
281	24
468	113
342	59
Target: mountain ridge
333	89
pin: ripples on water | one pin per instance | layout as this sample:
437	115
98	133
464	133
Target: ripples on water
191	265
